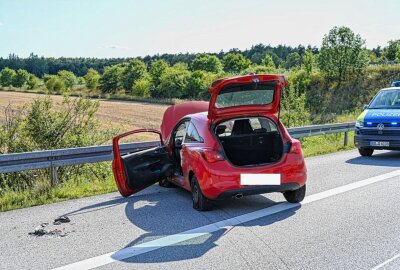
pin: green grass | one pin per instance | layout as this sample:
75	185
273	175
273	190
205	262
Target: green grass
12	200
44	194
325	144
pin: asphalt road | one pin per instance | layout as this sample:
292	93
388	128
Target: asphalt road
350	219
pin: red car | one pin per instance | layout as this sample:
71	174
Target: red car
232	146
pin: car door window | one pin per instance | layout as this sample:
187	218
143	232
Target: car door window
180	133
192	135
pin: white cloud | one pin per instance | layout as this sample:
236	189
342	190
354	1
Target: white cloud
114	47
1	23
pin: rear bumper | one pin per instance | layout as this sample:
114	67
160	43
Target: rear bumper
363	141
222	180
254	190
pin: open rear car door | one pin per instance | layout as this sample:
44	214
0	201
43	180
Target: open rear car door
136	171
251	94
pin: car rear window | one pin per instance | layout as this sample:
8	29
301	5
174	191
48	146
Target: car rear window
245	94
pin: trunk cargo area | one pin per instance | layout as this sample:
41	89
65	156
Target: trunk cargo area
250	141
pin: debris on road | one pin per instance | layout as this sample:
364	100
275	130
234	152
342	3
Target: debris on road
62	219
53	233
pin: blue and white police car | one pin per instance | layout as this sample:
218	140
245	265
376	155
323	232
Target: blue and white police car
378	127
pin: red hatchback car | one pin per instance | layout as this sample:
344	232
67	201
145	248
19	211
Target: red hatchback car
232	146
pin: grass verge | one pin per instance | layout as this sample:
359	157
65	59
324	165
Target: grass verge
73	189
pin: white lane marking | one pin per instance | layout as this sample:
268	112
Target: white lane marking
386	262
224	224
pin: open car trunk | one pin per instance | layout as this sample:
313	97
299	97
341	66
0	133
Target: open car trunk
251	141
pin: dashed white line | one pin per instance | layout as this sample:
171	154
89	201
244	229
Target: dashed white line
224	224
386	262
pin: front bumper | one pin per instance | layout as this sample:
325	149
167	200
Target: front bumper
363	141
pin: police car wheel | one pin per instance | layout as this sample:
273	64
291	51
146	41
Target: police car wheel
366	152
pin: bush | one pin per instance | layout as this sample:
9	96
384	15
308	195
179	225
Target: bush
33	81
92	78
141	88
41	126
55	84
21	78
173	82
111	80
69	79
7	76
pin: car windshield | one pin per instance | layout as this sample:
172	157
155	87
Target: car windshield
387	99
245	94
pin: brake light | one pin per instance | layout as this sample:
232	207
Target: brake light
295	148
212	156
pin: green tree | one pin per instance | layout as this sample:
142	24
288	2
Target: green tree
294	112
92	78
55	84
157	68
293	60
269	62
309	62
141	87
392	52
235	63
111	79
206	62
133	70
259	69
21	78
342	55
7	76
199	83
68	77
173	82
33	81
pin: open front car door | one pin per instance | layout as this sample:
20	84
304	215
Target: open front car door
139	170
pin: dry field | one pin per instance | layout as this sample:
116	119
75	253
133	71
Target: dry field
124	115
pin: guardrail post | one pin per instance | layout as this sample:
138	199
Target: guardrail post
53	176
346	138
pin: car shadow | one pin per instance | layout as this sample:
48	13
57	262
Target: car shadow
387	159
161	214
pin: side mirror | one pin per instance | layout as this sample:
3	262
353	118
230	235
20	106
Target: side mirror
365	107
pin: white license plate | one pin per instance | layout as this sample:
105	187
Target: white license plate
379	143
260	179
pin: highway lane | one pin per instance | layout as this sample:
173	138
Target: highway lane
357	229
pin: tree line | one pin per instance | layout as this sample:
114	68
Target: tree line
317	76
282	55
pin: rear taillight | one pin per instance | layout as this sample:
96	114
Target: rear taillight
211	155
295	147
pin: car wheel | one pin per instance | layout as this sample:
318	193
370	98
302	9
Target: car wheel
295	196
200	202
366	152
165	183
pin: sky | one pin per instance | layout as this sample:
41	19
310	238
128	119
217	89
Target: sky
130	28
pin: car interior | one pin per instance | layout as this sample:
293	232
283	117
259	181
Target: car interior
250	141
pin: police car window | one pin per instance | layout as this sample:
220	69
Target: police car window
386	99
192	134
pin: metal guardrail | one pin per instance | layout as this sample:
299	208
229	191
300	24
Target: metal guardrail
82	155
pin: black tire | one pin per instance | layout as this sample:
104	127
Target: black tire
165	183
295	196
366	152
200	203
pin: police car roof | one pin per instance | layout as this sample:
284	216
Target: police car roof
390	88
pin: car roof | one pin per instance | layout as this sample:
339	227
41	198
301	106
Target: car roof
390	88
